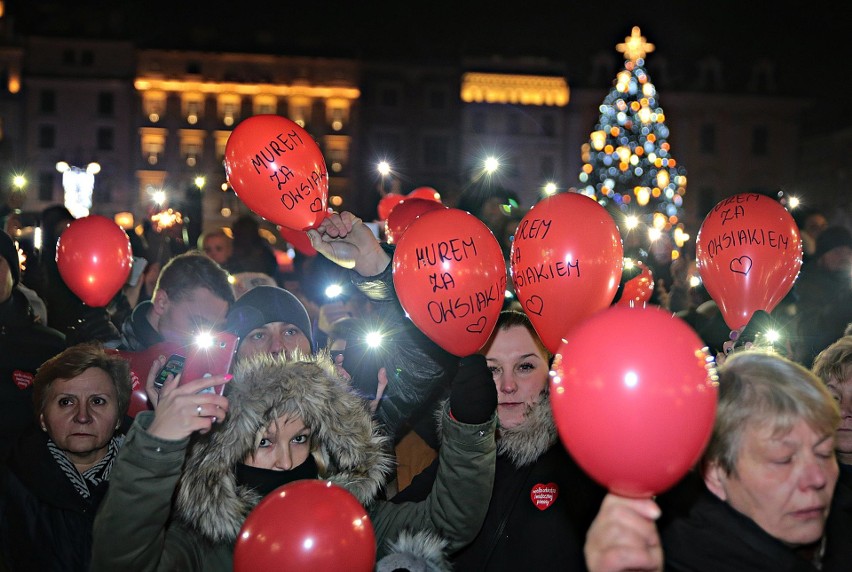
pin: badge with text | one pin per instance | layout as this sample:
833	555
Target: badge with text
544	495
23	379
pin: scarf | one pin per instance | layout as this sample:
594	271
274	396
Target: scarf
93	476
264	481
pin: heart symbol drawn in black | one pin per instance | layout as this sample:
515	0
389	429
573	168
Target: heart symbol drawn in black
478	326
316	206
741	265
535	305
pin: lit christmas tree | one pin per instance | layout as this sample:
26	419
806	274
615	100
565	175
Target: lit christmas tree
628	162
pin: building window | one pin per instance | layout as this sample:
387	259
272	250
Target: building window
46	137
45	186
106	104
229	109
707	138
47	101
338	113
193	68
478	122
106	139
265	105
191	146
154	104
87	58
760	140
153	144
436	151
193	107
299	110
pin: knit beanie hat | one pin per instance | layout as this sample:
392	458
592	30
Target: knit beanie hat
264	304
830	238
10	253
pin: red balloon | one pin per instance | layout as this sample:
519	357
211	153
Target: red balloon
748	254
306	526
387	203
427	193
566	263
404	213
639	418
450	277
94	259
278	171
638	289
299	239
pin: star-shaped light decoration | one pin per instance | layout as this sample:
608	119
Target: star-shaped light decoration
635	47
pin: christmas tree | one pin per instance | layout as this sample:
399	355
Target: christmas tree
627	163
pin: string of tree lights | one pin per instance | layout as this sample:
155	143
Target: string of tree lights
627	163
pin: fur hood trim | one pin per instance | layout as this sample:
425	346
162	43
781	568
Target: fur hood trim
532	438
421	551
350	450
528	441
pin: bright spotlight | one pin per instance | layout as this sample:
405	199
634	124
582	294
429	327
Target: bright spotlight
384	168
550	189
794	202
374	339
654	234
491	165
631	222
159	197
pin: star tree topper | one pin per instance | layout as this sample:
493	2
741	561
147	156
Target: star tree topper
635	47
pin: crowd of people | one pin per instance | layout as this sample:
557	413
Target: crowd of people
457	456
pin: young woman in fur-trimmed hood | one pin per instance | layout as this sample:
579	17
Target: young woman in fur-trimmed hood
542	501
286	420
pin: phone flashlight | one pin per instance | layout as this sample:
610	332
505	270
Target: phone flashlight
204	340
374	339
333	291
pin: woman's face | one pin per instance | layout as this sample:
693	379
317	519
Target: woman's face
284	445
783	482
520	370
841	390
81	415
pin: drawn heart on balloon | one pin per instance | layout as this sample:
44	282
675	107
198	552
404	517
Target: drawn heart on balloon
741	265
316	205
535	305
478	326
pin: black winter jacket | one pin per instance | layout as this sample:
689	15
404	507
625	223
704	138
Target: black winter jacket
45	524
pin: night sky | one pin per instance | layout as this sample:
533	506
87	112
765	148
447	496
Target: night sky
807	40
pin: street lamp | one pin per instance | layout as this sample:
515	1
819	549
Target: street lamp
78	184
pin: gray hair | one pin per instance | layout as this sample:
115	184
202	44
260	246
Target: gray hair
763	388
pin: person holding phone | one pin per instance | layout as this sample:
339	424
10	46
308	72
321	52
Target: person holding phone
282	420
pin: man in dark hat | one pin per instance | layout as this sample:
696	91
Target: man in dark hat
271	320
24	346
824	288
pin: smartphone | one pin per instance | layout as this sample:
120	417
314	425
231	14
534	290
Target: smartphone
363	362
174	365
136	270
210	354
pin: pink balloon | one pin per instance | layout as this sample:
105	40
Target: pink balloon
637	418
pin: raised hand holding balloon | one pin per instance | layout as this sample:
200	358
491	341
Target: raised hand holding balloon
450	277
276	168
638	287
661	396
749	253
94	258
306	526
566	263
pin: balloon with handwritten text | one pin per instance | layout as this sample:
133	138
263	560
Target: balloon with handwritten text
566	263
662	395
276	168
406	212
748	252
450	276
637	287
94	258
